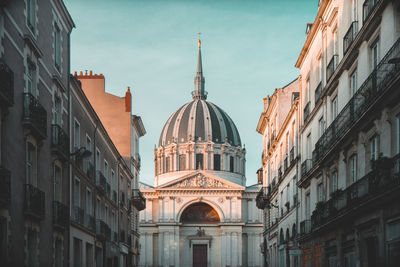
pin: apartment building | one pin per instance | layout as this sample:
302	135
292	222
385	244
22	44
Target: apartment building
125	130
349	135
34	68
279	124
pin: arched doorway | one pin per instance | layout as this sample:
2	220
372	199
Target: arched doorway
195	215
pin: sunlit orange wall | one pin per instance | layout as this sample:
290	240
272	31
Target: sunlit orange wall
114	111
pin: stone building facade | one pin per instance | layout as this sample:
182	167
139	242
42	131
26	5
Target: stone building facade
279	124
349	144
199	211
34	71
68	196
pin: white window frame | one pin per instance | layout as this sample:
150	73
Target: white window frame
375	54
334	108
353	82
374	147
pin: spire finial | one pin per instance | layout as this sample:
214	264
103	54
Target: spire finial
199	92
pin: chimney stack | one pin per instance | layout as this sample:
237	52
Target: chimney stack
128	100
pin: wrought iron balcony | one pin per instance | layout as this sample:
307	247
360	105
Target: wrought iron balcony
60	215
101	182
34	116
59	141
306	166
6	86
363	100
374	186
306	112
78	215
138	199
34	202
318	92
262	198
331	68
5	187
90	222
103	231
368	7
305	227
350	36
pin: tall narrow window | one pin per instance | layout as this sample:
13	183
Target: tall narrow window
89	205
375	55
167	164
31	78
98	208
308	147
320	71
354	10
32	249
307	209
31	164
398	133
231	164
353	168
321	126
112	181
335	45
77	252
217	162
31	14
334	185
77	135
199	161
182	163
77	193
58	111
57	183
308	91
57	47
88	143
98	165
374	147
58	257
334	108
320	191
106	170
353	83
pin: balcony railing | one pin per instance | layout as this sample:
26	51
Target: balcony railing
60	215
5	187
34	202
103	231
369	188
34	116
89	222
360	103
101	182
306	111
368	7
349	37
306	166
305	227
331	68
262	198
318	92
59	141
78	215
6	86
138	199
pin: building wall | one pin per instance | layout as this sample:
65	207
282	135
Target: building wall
16	47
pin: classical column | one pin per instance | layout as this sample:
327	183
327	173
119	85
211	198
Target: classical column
160	209
250	209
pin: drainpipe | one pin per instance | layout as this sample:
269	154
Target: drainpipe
69	171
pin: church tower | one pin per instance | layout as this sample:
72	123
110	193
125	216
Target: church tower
199	200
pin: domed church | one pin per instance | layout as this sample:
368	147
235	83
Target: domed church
200	212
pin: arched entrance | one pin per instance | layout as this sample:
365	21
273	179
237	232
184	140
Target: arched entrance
199	213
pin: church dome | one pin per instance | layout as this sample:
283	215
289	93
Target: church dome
199	120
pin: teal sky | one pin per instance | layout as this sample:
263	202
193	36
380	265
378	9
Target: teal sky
249	48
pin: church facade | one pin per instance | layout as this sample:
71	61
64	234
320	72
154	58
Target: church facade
199	211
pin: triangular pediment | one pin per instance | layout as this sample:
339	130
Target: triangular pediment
201	179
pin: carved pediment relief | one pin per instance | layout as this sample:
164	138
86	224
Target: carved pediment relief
199	181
